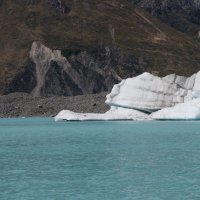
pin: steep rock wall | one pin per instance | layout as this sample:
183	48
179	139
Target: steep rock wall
48	72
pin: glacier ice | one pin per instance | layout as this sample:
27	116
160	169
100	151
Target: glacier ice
189	110
114	113
150	93
147	96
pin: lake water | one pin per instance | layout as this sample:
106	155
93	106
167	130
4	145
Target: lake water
41	159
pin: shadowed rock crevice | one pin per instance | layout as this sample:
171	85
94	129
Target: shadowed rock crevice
58	82
60	6
24	81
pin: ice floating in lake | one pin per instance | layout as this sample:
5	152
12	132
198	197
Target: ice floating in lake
150	93
170	97
113	114
182	111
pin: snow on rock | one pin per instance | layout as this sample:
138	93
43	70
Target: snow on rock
182	111
113	114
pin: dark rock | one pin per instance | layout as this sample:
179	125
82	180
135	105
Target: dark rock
182	15
24	81
28	2
60	6
58	82
31	20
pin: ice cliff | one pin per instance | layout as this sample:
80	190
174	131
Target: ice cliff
183	111
147	96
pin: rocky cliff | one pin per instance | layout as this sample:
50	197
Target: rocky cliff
48	72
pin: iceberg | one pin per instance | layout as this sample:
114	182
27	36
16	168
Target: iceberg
184	111
147	96
113	114
150	93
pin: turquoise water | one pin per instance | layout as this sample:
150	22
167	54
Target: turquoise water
40	159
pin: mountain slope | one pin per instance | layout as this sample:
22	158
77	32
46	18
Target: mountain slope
182	15
115	34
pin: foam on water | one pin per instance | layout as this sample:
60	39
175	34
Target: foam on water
41	159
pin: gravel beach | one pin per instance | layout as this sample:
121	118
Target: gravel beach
25	105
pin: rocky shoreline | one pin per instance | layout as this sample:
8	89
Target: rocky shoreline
26	105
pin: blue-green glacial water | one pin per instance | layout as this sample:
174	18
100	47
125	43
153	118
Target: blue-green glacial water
41	159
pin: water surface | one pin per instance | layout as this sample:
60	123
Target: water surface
41	159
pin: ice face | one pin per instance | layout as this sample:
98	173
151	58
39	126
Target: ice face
183	111
148	92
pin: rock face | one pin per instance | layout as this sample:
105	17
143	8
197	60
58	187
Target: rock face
172	97
59	5
180	14
48	72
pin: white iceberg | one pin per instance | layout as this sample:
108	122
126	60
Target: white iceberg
113	114
183	111
148	97
150	93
